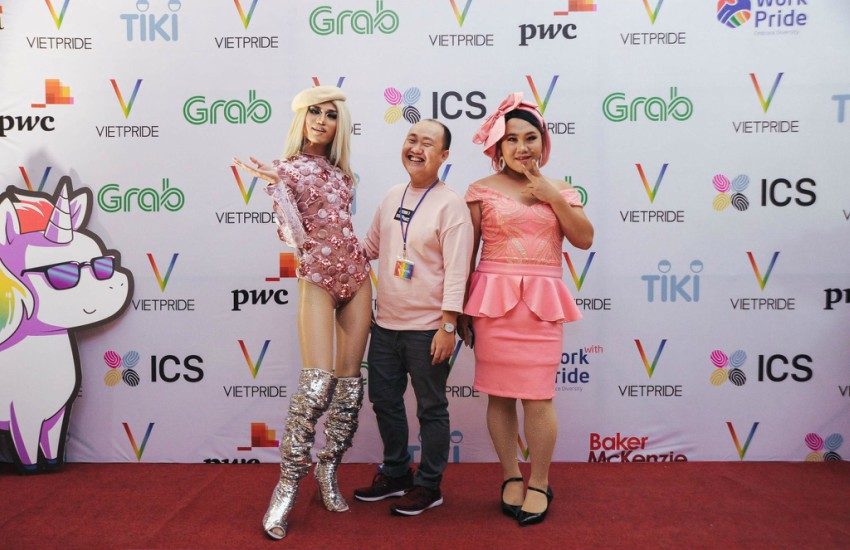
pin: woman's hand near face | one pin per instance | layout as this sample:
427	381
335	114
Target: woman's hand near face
260	170
539	186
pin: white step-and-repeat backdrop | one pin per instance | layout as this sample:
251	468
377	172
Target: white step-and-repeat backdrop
709	141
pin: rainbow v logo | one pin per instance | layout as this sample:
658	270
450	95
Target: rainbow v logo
653	14
461	17
246	193
576	279
339	81
650	368
762	280
445	173
765	105
136	449
57	18
542	104
654	191
163	282
27	179
254	368
126	107
246	19
742	451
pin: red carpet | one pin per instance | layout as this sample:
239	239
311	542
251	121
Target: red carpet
686	505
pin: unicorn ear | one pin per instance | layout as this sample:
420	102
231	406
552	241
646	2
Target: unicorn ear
9	227
79	210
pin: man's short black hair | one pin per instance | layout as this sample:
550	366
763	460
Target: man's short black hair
447	134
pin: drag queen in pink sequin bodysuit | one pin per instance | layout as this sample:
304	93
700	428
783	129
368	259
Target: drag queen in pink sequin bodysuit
312	188
331	256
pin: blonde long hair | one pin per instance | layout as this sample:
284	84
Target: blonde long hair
340	148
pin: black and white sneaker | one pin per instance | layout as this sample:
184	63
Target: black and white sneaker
417	501
384	486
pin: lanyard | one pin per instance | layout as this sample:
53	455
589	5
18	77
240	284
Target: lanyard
404	229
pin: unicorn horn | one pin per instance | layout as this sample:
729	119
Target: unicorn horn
59	229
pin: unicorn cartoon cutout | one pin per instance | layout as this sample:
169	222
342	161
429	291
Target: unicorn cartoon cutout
55	277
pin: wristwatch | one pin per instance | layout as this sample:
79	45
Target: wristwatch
448	327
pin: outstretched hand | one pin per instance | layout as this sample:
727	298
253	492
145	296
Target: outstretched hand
538	185
260	170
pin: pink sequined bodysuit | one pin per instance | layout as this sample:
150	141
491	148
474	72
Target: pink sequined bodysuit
331	256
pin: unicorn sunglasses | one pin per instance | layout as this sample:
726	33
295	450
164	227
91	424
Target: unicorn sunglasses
66	275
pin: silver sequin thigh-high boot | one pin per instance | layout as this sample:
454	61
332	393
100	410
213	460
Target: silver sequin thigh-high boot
340	425
315	388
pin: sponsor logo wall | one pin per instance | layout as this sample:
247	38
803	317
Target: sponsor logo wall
708	141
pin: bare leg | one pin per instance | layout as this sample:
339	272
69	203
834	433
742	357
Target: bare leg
352	329
541	430
315	326
503	426
315	389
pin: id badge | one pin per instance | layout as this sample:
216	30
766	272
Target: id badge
403	268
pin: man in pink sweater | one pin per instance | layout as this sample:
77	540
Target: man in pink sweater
422	237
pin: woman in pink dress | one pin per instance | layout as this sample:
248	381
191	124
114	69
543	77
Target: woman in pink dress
517	300
312	187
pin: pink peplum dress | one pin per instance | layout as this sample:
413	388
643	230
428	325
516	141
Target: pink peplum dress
517	298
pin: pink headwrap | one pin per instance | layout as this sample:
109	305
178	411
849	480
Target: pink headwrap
493	128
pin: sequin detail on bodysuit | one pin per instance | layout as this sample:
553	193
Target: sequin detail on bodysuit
331	256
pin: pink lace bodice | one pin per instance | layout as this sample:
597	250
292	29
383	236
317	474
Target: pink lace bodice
331	255
516	233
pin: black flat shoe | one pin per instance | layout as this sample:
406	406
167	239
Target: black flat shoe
510	510
530	518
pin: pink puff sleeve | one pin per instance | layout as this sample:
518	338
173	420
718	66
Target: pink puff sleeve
473	193
290	228
571	196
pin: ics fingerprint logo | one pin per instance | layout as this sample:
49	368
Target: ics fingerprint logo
121	368
823	450
402	105
728	367
730	192
733	13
